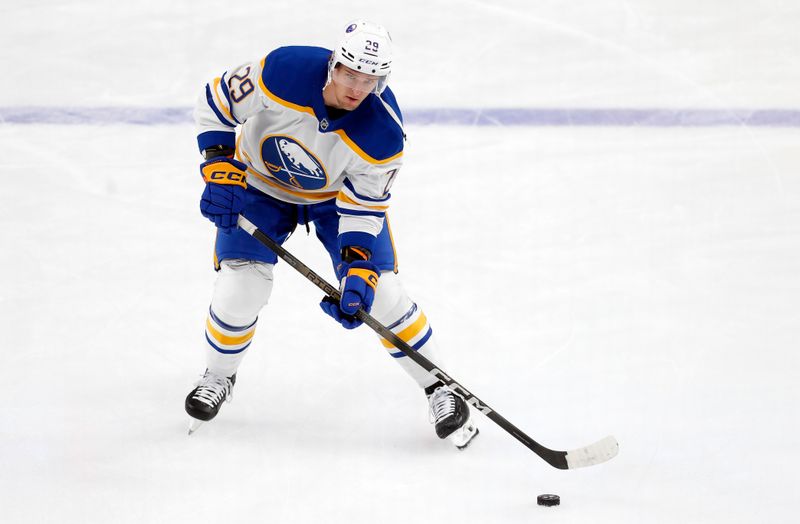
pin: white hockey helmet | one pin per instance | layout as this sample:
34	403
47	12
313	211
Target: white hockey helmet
365	47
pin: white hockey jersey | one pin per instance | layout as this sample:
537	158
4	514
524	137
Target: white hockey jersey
293	151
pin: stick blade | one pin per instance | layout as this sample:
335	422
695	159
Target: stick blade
597	453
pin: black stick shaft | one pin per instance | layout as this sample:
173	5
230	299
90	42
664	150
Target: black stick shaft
557	459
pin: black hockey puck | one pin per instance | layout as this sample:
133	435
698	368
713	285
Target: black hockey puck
548	500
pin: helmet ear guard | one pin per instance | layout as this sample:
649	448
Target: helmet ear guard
365	47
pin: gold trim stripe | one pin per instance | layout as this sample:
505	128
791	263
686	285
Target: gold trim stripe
278	99
218	99
391	240
240	154
225	339
310	196
410	332
360	152
305	109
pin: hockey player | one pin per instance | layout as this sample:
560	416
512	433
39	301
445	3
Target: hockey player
320	141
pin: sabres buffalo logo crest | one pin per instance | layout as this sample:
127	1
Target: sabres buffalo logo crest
291	163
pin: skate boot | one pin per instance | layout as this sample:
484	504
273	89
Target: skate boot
204	401
451	416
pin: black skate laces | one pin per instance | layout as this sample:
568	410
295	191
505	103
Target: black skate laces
212	389
442	403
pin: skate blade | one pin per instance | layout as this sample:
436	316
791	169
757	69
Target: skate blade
463	436
194	425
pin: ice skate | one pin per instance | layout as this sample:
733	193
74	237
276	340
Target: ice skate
451	416
204	401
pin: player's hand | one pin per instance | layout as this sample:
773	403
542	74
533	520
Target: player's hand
224	195
358	292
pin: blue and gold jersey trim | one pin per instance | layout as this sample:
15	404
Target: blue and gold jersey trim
222	113
293	77
279	100
350	202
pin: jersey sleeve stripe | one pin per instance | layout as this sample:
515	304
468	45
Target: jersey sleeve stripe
355	195
224	88
345	210
213	106
223	103
227	94
343	198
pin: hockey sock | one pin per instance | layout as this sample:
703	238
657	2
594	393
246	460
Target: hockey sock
394	309
227	344
413	327
243	287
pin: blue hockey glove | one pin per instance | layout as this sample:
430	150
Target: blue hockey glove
224	196
358	292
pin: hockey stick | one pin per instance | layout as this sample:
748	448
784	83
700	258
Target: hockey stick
596	453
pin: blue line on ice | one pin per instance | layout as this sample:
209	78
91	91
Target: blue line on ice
657	117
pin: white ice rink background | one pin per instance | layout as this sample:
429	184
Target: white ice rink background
621	257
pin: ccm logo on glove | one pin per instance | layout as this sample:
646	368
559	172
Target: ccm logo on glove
224	171
224	195
226	177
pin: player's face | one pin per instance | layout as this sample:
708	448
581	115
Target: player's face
349	88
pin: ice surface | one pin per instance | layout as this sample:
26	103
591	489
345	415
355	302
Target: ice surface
583	280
